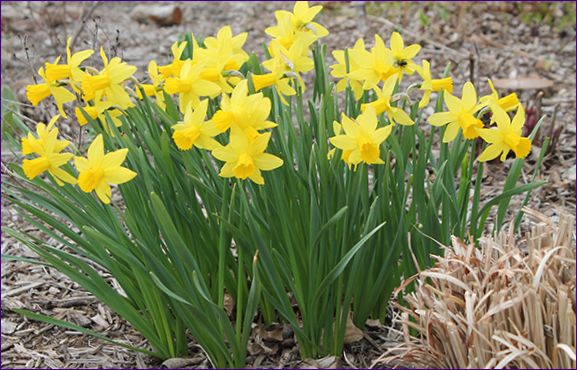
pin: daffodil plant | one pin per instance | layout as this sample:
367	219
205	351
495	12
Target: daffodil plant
224	179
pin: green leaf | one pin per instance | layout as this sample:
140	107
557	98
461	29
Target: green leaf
339	268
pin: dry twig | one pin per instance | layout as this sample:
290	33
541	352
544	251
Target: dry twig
85	15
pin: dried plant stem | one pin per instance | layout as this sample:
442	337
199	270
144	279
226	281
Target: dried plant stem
504	304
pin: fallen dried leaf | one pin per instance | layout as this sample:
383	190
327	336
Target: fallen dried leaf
523	83
352	333
228	304
274	332
328	362
162	15
178	362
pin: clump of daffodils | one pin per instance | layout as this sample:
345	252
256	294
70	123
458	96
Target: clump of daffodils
237	130
380	70
290	49
95	173
211	147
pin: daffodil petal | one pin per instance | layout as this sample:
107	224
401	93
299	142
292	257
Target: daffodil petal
490	135
119	175
451	132
452	102
397	44
115	159
441	118
224	153
104	192
519	119
491	152
226	170
383	133
469	99
401	117
267	162
96	150
257	178
411	51
500	117
343	142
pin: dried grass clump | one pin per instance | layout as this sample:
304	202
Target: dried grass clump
506	304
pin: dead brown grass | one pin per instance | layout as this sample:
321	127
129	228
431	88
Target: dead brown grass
507	304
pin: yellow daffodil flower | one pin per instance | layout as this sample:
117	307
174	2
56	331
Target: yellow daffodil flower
460	115
109	82
91	110
193	130
156	87
293	61
241	111
114	114
362	138
69	70
97	111
508	103
290	48
383	104
225	49
337	129
374	66
292	26
296	58
277	79
38	92
244	157
429	84
49	148
191	86
99	170
284	31
31	144
222	56
331	153
173	69
215	74
506	136
403	56
339	70
303	14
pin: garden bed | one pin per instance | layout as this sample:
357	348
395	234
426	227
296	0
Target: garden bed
448	33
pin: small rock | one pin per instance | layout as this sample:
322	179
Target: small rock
8	327
99	320
373	323
570	174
